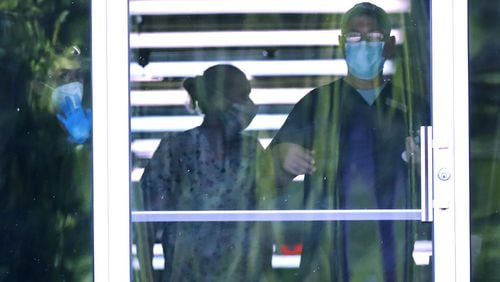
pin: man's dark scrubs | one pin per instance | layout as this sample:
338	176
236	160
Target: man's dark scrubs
358	148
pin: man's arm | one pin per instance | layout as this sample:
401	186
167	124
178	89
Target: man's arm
289	150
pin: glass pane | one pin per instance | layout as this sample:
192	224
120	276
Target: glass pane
46	163
290	62
484	89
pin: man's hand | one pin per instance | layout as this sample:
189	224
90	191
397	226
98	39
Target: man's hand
294	159
412	151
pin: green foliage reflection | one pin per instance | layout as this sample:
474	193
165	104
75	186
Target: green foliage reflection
45	180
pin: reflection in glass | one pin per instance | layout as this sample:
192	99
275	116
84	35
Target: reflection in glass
484	87
45	177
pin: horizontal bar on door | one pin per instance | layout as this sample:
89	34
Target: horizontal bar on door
276	215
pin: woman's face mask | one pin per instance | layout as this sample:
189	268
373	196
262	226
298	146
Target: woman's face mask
237	117
364	59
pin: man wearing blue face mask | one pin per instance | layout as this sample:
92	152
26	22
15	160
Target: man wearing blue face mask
351	139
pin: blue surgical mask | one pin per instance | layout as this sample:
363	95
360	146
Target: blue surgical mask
364	59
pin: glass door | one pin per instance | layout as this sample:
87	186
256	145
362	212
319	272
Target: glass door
325	180
484	138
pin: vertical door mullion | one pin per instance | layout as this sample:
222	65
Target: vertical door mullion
442	122
461	139
111	165
450	132
99	143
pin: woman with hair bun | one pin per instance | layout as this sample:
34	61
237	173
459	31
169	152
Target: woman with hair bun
213	167
222	94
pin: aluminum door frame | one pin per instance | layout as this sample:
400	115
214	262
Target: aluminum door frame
451	230
111	203
110	140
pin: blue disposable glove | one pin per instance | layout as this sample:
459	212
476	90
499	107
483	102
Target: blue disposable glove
76	120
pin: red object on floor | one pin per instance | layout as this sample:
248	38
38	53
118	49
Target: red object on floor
293	250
